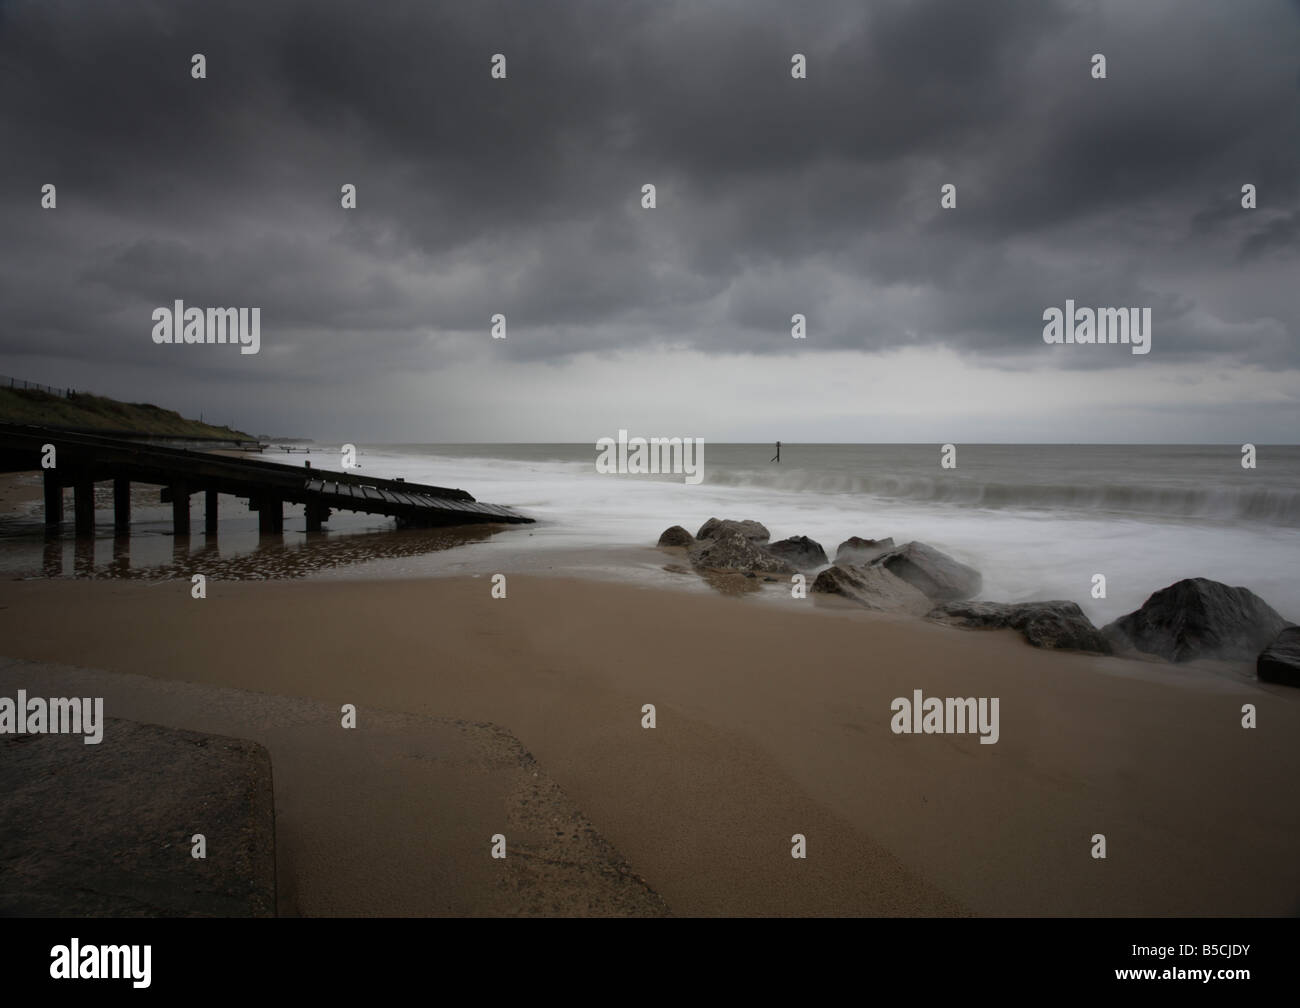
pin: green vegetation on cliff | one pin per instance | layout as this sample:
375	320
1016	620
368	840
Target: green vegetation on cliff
97	414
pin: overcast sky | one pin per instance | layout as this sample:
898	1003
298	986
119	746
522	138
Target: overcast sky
775	196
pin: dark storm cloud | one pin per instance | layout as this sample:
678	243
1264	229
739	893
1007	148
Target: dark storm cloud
776	196
1281	234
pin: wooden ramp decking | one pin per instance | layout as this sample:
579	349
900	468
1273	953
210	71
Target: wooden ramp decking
81	460
402	500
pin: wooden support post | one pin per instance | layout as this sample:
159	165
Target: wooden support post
210	512
83	505
317	515
121	504
270	515
180	511
53	498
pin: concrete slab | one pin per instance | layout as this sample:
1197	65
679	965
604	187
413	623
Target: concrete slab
394	817
106	830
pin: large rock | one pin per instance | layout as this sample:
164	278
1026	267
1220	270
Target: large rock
872	587
800	552
676	536
716	527
1280	661
733	552
1199	618
856	550
936	575
1057	624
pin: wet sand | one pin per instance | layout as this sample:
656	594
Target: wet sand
19	491
770	722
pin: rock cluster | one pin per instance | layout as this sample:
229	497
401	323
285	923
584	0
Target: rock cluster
1194	618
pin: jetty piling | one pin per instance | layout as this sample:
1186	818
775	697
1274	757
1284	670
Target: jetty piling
85	459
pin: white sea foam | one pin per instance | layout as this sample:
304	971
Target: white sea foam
1038	521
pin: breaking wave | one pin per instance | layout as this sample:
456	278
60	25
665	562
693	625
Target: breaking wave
1269	505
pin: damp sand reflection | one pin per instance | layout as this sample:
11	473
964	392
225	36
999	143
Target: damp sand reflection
233	558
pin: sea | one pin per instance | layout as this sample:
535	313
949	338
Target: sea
1039	521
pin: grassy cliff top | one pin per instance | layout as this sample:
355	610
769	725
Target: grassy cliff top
92	413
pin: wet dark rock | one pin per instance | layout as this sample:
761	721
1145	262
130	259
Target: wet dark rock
676	536
856	550
800	552
936	575
1057	624
873	588
716	527
732	551
1280	661
1199	618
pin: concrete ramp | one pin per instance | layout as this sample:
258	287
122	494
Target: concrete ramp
107	830
395	817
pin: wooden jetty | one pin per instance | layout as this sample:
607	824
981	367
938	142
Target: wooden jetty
82	460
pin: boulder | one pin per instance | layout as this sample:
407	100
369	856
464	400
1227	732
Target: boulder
1280	661
1057	624
856	550
715	527
936	575
676	536
872	587
1199	618
733	552
800	552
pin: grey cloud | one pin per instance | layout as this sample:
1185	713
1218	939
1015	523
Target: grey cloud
775	195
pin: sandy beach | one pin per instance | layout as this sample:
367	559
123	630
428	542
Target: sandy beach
19	492
674	460
771	721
